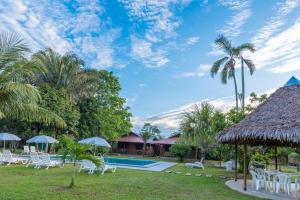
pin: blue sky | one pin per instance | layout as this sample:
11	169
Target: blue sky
161	50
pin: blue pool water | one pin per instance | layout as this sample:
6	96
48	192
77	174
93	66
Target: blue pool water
129	162
121	161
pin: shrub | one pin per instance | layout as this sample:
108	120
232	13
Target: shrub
180	151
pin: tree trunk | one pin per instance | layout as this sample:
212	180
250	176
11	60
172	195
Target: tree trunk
196	153
144	148
236	94
73	176
243	84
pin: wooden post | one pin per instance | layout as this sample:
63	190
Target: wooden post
236	160
276	158
245	167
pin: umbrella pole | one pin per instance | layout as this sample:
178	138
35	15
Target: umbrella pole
4	144
235	163
245	167
276	158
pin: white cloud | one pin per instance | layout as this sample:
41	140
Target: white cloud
201	70
189	74
276	22
143	51
169	121
242	12
56	25
281	52
192	40
156	14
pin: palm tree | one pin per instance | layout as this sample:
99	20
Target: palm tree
74	152
18	98
65	71
200	126
228	71
249	63
147	132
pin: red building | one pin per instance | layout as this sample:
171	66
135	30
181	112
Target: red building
133	144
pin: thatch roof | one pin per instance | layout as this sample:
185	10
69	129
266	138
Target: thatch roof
274	122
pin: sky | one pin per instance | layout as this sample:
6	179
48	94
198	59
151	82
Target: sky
162	50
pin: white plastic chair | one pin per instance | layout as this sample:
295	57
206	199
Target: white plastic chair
282	181
34	160
229	165
257	181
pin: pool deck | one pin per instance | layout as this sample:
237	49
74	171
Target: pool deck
158	167
238	186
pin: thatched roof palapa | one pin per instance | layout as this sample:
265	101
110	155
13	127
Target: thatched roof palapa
274	122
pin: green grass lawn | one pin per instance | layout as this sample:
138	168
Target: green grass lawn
18	182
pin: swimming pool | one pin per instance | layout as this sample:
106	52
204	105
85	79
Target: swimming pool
129	162
120	161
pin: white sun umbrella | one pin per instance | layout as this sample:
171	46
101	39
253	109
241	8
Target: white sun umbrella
96	141
42	139
8	137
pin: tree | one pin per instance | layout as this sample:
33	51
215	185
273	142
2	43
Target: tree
228	71
239	50
200	126
105	113
75	152
55	100
180	151
18	98
64	71
255	100
147	132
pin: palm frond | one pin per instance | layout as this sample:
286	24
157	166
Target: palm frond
250	65
216	66
223	43
245	47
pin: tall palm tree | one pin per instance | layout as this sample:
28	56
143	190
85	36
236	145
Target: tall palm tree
228	71
18	98
249	63
65	71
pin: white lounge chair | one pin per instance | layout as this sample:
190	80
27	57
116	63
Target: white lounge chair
195	164
34	160
47	162
91	167
26	150
32	149
9	158
105	167
87	165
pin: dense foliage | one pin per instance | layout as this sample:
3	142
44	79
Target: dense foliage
180	151
104	114
57	94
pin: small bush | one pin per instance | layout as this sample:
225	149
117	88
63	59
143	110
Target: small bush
180	151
